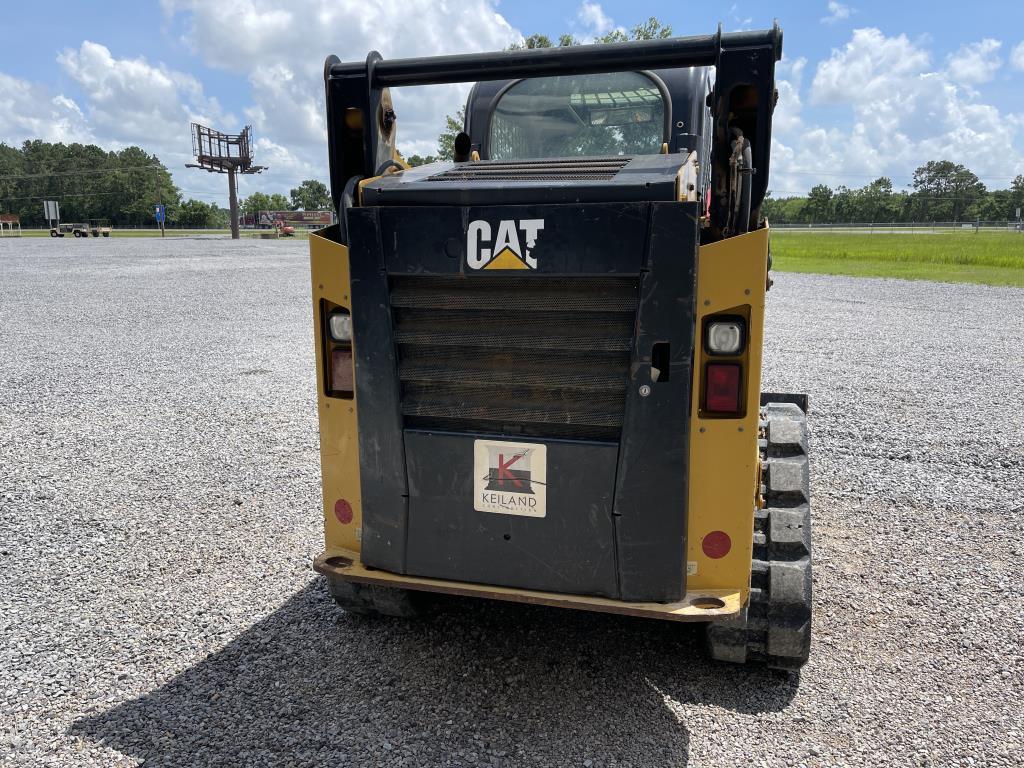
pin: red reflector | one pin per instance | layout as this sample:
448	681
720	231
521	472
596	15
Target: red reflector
343	511
722	394
716	544
341	370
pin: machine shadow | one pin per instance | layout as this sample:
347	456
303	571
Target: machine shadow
478	683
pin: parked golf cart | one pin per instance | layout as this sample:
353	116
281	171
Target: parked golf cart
99	227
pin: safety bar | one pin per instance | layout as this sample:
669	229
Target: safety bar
695	51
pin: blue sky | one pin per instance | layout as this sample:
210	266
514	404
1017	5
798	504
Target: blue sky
867	88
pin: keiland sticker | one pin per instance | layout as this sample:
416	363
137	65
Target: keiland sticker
510	478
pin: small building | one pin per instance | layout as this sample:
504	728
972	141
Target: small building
10	225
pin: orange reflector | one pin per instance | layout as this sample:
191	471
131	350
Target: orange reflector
722	394
342	374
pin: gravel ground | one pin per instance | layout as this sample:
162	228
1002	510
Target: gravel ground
159	503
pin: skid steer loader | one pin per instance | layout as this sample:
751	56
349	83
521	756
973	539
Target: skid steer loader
539	365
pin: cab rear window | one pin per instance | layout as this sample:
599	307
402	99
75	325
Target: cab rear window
622	113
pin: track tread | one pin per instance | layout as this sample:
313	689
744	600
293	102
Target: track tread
375	600
775	628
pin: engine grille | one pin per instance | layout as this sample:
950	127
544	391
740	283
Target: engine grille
588	169
515	355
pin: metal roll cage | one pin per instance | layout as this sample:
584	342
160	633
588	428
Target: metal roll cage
360	121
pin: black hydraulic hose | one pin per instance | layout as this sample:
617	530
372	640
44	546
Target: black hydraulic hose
388	164
348	200
746	188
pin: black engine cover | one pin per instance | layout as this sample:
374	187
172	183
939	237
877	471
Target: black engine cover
512	428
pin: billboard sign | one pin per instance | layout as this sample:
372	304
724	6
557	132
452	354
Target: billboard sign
51	211
161	213
297	218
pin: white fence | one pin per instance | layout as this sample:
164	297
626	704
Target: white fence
904	227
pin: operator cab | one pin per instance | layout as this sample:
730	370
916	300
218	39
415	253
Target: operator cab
597	115
572	139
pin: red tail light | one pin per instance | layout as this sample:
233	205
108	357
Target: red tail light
342	374
722	392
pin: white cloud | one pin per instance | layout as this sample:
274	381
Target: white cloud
281	51
975	63
593	21
789	76
868	68
739	22
131	101
836	12
897	111
134	101
1017	57
27	111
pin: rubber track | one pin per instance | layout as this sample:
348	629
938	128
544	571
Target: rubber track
375	600
776	629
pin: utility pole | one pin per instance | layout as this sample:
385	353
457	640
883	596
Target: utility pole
160	208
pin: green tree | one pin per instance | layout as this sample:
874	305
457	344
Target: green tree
88	182
11	169
533	41
996	205
311	195
142	185
877	201
446	141
221	218
944	190
415	160
1017	195
652	29
196	213
819	206
784	210
846	204
261	201
256	202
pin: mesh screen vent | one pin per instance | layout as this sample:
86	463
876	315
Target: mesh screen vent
515	355
583	169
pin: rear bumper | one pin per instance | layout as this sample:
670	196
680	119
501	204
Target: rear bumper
706	605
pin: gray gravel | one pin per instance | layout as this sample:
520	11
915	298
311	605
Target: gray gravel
159	503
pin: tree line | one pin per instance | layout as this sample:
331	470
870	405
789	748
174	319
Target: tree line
122	187
941	190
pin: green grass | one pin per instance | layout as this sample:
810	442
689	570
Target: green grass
989	258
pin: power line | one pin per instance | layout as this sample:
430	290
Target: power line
88	172
93	194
